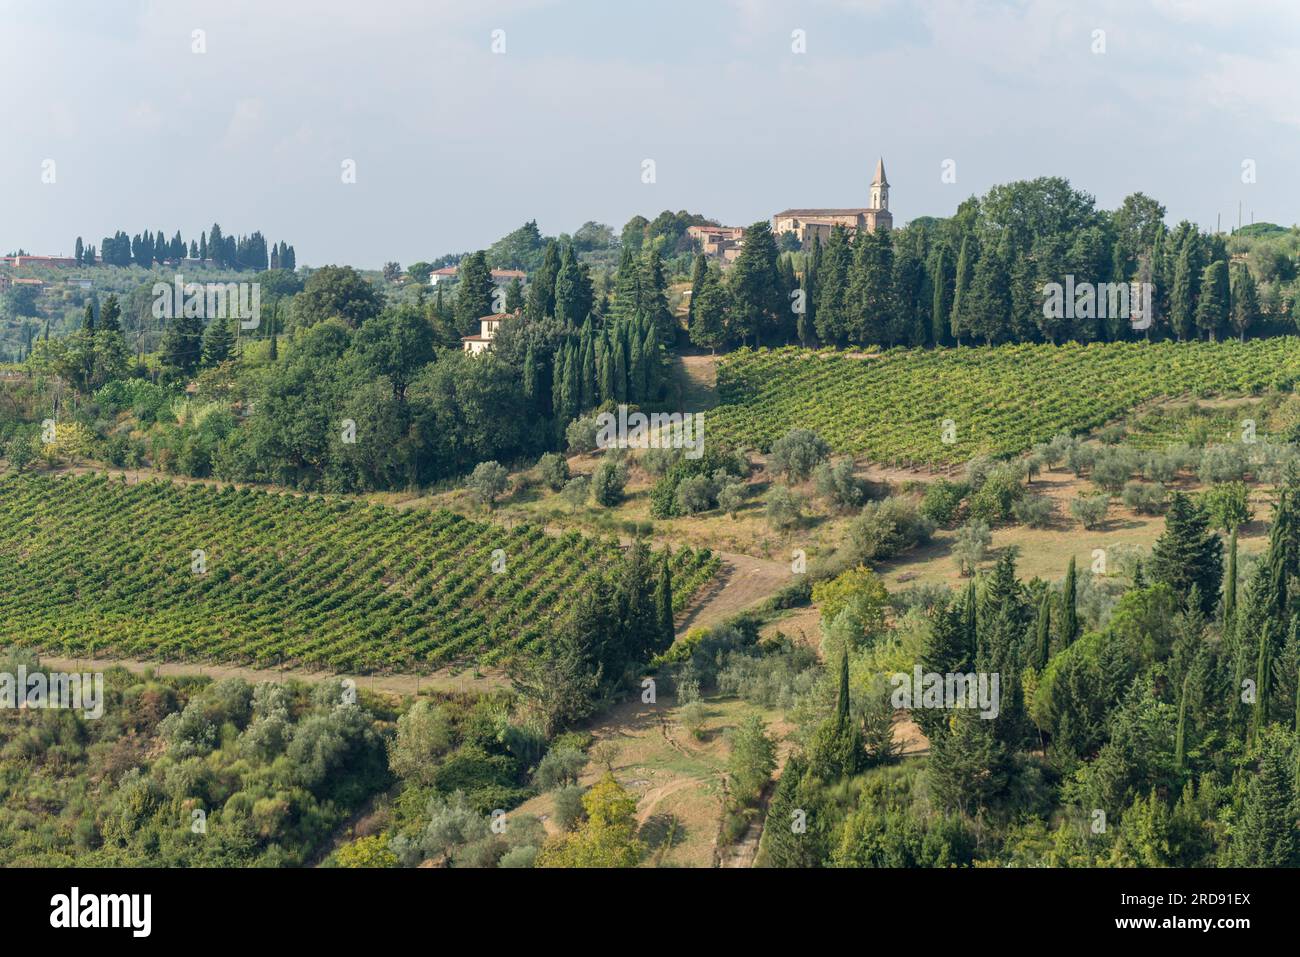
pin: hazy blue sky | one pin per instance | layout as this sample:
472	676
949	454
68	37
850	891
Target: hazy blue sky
455	145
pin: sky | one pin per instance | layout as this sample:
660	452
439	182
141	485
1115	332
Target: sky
463	120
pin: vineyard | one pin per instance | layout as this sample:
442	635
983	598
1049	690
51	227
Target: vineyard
93	565
939	407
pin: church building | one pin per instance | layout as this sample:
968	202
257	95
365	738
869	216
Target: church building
809	223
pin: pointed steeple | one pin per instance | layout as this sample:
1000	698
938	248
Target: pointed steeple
880	187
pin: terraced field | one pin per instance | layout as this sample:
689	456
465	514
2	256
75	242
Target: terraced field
163	571
935	407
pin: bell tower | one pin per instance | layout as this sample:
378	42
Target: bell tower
880	187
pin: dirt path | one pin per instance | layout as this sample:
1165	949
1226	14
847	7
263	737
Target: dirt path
390	684
741	583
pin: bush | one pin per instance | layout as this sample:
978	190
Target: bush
488	481
1143	498
580	434
1036	511
942	500
797	453
887	528
784	508
839	486
971	545
568	806
1160	467
997	493
554	470
1223	463
731	497
560	766
693	717
1090	510
608	482
1112	468
657	462
576	491
696	494
1079	457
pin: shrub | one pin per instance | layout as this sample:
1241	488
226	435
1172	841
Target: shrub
1090	510
942	500
1036	511
488	481
1079	457
999	491
1223	463
696	494
837	484
797	453
561	766
576	490
554	470
1144	498
731	497
784	508
886	528
568	806
580	434
971	545
608	482
1112	468
658	461
693	717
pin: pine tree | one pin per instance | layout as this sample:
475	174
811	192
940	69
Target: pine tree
1188	553
218	342
514	296
1264	835
474	291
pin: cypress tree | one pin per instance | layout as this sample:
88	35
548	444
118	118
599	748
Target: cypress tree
530	377
1259	717
557	383
664	605
650	356
1180	739
636	370
961	285
1069	609
842	701
1043	633
1230	581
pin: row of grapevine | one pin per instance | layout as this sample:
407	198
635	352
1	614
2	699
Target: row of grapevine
919	407
156	570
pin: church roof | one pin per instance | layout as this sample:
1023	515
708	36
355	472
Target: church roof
880	173
822	212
